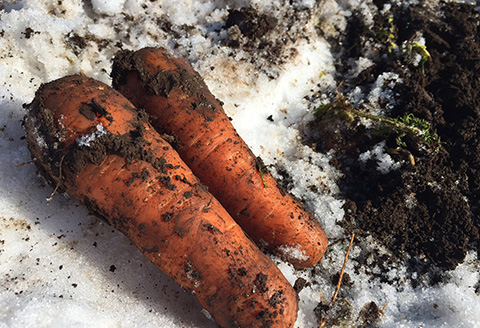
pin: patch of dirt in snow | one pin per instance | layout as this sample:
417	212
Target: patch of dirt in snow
427	211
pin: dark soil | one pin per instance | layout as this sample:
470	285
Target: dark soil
268	38
427	211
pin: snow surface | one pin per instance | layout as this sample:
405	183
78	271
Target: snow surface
62	267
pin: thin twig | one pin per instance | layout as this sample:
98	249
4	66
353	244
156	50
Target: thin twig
23	164
343	270
334	297
49	199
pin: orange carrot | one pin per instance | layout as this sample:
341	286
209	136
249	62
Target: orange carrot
179	102
90	142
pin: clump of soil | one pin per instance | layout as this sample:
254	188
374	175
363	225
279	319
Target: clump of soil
427	209
248	22
259	34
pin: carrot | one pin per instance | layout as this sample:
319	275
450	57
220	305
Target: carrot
90	142
179	102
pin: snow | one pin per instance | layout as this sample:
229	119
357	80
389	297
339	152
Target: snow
86	139
293	252
385	163
62	267
108	7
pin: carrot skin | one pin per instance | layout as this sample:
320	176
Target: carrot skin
179	102
114	162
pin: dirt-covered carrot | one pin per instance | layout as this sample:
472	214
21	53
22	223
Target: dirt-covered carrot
179	102
90	142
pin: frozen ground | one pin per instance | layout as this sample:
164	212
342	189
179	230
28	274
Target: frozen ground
61	267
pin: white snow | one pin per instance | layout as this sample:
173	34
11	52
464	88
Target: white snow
293	252
62	267
385	163
86	139
108	7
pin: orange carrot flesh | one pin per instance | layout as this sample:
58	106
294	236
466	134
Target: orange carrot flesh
114	162
179	102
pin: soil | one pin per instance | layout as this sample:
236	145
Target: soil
425	212
268	38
